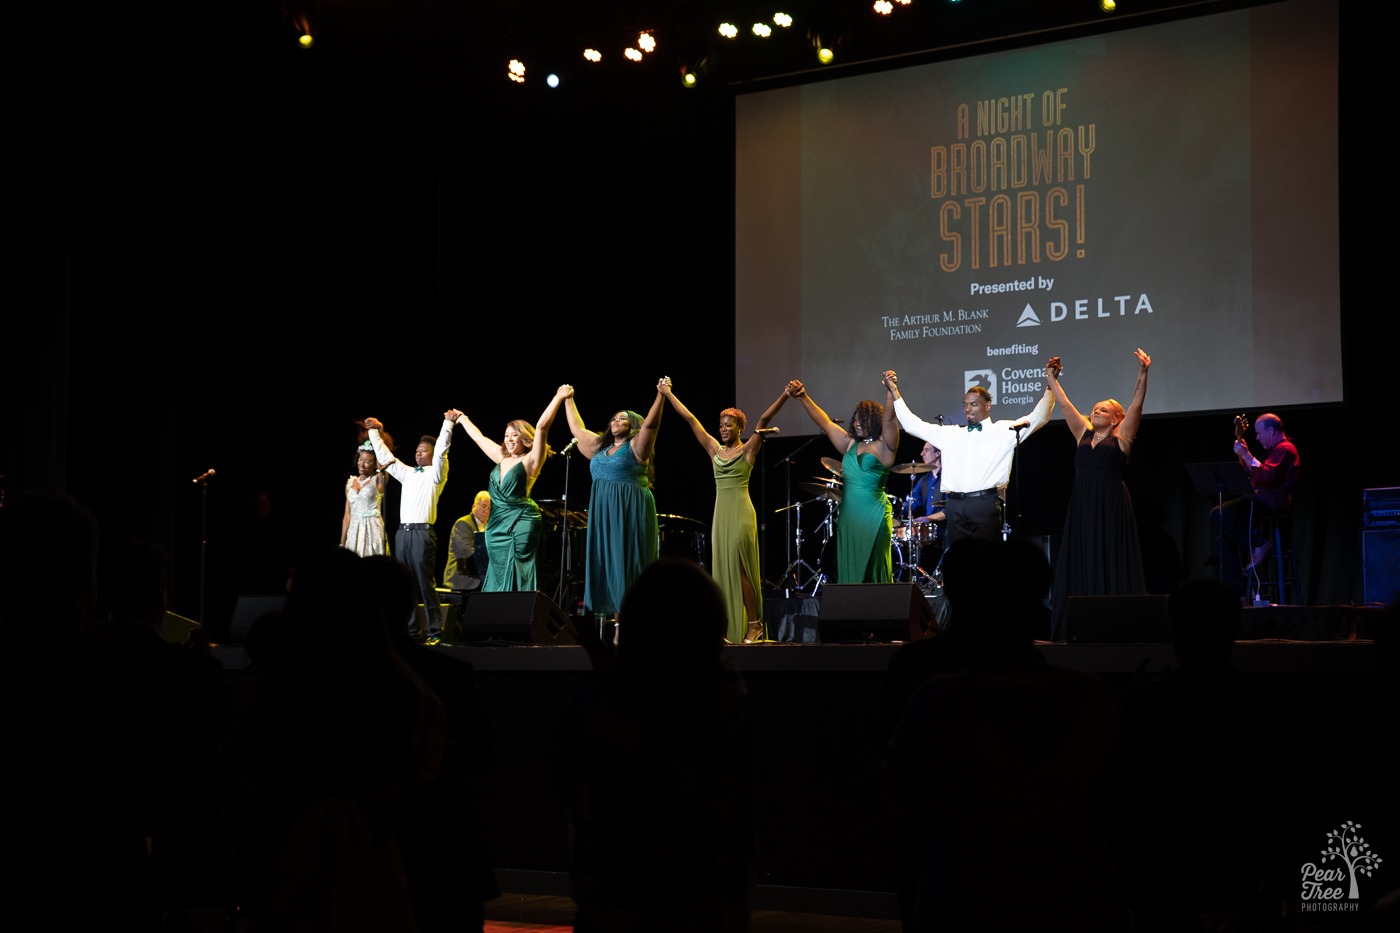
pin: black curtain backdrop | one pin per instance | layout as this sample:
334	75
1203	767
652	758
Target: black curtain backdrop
228	249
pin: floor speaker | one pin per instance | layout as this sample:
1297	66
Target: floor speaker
862	613
522	617
1380	564
1117	620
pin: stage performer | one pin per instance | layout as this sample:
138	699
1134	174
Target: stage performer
1271	480
462	571
734	532
516	531
622	529
362	527
925	500
415	543
976	458
1099	551
868	448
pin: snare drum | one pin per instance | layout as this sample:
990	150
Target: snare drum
920	533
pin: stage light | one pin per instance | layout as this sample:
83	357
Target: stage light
306	41
1108	6
782	19
728	30
516	71
825	55
762	30
884	7
903	2
632	55
593	55
688	78
552	80
646	43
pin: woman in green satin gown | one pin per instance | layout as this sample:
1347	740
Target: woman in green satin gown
734	530
515	532
868	450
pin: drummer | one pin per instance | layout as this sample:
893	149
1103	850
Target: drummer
926	499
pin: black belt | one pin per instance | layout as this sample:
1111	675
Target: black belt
973	495
411	526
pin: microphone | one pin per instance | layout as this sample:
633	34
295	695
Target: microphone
568	447
766	430
203	476
837	421
1023	423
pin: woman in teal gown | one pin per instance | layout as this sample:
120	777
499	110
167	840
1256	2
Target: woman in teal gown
734	531
623	536
515	531
868	450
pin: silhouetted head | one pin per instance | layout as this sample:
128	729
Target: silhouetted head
1205	617
672	621
996	592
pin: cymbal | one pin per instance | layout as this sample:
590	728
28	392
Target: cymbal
831	491
908	468
832	464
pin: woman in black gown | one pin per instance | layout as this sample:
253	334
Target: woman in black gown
1099	551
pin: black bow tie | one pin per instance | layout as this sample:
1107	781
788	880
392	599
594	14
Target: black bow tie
975	427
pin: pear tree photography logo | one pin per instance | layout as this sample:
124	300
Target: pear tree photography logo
1332	883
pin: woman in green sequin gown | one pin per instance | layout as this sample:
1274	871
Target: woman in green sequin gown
515	531
734	531
868	451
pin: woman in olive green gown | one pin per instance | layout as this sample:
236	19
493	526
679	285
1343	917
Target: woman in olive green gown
734	531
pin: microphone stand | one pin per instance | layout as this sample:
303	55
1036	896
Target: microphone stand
565	552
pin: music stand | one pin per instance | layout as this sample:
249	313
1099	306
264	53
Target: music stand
1219	479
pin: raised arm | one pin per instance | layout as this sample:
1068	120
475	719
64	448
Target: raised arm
704	437
889	432
443	445
1127	431
833	431
755	440
534	458
489	447
1078	424
644	444
588	442
382	453
911	422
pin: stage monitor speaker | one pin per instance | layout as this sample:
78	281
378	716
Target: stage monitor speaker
1380	565
247	611
1117	620
523	617
862	613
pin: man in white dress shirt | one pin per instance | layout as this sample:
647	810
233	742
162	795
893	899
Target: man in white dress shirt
415	543
976	458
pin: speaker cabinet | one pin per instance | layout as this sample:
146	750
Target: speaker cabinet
863	613
1380	564
522	617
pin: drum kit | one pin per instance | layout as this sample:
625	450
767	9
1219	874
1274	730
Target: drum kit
915	539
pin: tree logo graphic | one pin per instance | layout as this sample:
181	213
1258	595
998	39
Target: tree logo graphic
1346	846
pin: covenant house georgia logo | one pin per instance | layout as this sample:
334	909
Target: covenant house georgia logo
1335	888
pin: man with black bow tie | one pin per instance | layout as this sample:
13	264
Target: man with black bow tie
415	543
976	458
